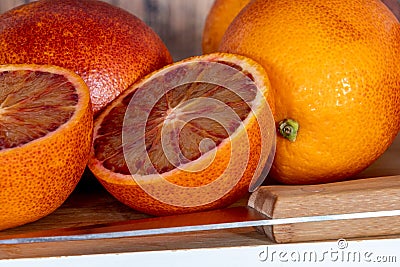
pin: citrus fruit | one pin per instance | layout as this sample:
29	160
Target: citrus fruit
106	45
334	68
219	17
191	136
46	125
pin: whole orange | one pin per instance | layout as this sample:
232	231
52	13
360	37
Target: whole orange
106	45
221	14
335	70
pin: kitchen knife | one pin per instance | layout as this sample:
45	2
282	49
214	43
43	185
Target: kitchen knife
358	208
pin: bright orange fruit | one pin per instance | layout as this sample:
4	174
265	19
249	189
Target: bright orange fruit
107	46
221	14
334	67
191	136
45	137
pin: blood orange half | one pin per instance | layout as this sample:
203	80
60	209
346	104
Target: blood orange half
45	138
194	135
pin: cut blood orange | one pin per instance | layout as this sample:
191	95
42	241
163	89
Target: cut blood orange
194	135
45	137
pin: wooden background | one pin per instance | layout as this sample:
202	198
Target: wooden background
179	23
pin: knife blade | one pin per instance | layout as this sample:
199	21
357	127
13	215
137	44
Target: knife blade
237	217
365	207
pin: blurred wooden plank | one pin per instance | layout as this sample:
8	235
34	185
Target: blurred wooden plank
9	4
179	23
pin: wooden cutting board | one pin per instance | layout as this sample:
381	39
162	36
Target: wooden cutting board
90	204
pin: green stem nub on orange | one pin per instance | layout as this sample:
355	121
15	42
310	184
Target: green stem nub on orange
288	128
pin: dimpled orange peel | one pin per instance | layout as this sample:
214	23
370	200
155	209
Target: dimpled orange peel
45	137
219	17
335	70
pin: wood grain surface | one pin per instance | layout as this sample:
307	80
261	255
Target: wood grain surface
90	203
360	195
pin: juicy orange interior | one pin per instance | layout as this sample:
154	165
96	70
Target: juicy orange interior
32	104
186	111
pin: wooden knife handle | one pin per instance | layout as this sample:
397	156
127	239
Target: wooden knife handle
363	195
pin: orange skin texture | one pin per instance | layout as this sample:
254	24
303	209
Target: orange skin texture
334	67
221	14
37	177
107	46
127	190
